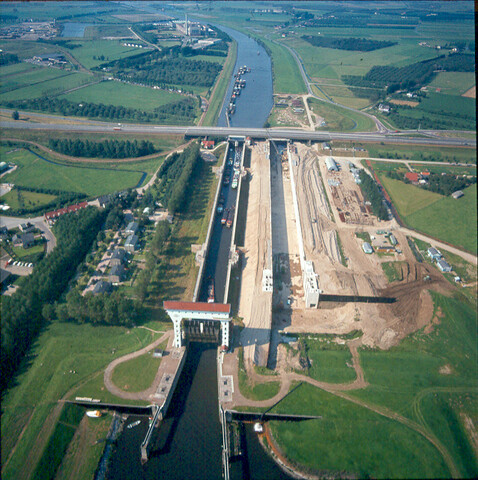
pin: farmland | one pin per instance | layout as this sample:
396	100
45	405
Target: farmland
35	172
122	94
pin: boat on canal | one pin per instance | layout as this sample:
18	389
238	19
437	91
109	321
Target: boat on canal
134	424
210	291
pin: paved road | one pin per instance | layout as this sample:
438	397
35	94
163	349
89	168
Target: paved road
39	222
279	133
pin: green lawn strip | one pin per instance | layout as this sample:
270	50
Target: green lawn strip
393	271
285	71
215	103
126	377
32	78
401	376
24	199
351	438
451	169
408	198
340	119
451	220
420	152
84	349
343	258
96	431
123	94
23	253
35	172
258	391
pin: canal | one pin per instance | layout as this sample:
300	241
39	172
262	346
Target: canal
189	440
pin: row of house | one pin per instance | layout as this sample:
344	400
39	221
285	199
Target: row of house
50	217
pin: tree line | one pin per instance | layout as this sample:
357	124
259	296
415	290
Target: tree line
373	194
27	311
104	149
182	112
177	175
354	44
8	58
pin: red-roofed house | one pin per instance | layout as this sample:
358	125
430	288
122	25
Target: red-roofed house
412	176
207	144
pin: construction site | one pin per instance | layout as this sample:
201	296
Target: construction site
306	262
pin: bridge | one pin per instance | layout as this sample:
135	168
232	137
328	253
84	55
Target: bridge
431	137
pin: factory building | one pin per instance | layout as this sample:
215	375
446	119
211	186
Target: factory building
311	286
331	165
367	248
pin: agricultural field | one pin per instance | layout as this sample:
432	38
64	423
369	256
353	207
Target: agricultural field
36	172
93	53
122	94
61	349
453	83
444	218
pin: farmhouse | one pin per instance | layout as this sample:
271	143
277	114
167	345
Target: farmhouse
412	177
27	227
434	254
443	265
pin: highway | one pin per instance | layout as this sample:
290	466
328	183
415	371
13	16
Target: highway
266	133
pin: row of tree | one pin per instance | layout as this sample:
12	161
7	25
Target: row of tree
104	149
26	312
182	112
101	309
8	58
354	44
373	194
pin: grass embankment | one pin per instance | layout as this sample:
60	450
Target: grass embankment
444	218
339	119
63	348
215	102
255	391
429	378
285	71
350	438
126	375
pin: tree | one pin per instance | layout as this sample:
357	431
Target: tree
15	115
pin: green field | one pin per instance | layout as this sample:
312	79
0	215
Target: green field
35	172
110	49
16	69
53	83
352	439
408	198
453	221
122	94
339	119
453	83
24	199
61	349
418	152
329	361
408	378
125	375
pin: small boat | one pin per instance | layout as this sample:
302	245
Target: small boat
134	424
210	291
93	413
258	427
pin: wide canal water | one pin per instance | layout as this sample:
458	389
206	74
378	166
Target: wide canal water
189	441
254	104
